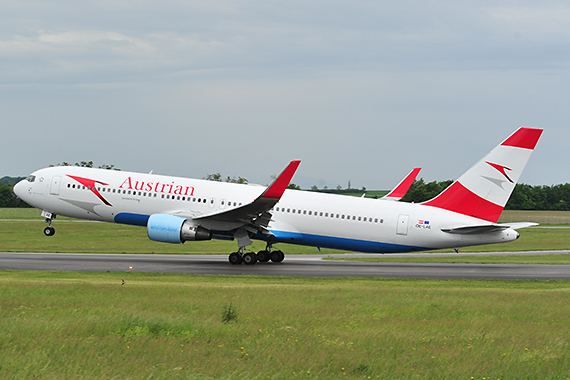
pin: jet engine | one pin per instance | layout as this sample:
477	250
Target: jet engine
174	229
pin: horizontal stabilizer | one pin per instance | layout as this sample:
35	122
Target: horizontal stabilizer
517	225
487	228
474	230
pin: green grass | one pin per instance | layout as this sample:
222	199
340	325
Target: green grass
531	239
160	326
93	237
90	237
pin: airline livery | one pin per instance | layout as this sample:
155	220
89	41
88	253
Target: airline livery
175	210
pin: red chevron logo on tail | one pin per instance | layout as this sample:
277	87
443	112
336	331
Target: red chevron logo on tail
501	169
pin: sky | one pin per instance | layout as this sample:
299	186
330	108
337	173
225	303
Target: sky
360	91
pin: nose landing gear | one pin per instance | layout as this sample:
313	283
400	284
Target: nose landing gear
49	230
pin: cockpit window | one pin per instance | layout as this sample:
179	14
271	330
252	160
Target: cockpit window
31	178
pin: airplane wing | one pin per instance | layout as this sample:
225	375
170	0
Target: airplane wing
487	228
402	188
253	216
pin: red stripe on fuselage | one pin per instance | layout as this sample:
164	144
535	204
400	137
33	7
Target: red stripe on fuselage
524	138
458	198
90	183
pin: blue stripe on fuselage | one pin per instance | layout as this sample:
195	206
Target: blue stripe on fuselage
337	243
301	239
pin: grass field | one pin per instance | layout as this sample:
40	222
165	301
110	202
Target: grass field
159	326
89	237
65	325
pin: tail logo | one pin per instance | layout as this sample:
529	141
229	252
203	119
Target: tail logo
502	169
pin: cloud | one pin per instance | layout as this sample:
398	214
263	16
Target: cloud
359	90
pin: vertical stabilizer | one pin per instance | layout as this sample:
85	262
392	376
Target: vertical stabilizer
483	191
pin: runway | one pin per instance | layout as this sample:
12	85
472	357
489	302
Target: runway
294	265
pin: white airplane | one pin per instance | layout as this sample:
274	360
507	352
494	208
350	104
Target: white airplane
175	210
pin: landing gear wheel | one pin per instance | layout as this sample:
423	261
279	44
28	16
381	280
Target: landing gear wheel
235	258
263	256
49	231
249	258
277	256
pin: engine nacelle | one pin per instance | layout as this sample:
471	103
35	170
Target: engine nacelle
174	229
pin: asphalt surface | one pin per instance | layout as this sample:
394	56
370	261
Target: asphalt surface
294	265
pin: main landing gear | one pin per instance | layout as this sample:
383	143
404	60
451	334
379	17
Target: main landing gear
250	258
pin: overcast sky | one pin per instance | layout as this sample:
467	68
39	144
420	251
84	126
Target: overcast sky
358	90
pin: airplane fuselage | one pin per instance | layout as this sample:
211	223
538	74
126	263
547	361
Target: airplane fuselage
299	217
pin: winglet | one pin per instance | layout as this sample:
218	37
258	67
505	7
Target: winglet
402	188
277	188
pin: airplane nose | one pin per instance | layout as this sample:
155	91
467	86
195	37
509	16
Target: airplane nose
19	189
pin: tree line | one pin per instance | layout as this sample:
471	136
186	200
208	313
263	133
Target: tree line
7	196
524	197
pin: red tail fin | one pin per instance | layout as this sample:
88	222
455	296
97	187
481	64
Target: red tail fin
483	191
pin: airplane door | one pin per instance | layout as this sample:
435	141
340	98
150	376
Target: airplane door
212	202
55	181
402	227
